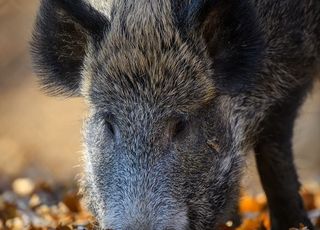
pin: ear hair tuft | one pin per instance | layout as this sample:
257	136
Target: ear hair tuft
233	38
198	10
89	18
60	38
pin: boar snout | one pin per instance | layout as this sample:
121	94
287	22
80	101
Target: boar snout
162	217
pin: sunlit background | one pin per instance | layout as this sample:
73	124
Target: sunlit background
40	136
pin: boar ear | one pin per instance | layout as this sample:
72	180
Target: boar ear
61	34
233	38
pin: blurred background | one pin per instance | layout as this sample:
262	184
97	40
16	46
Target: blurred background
40	136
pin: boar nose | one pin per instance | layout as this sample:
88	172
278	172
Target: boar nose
141	226
164	220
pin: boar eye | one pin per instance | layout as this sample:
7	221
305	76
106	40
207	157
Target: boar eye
109	124
110	127
179	128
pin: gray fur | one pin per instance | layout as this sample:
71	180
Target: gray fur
179	92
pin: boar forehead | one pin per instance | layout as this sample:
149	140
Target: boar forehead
164	80
144	59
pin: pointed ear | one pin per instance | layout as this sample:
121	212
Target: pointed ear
234	41
60	38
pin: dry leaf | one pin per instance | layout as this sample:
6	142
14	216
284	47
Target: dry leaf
42	206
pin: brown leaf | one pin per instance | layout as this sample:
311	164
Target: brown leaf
71	200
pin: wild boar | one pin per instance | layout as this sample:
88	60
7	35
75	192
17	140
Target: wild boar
179	92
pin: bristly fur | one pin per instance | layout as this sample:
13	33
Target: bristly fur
179	92
64	38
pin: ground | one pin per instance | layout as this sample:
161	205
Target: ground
25	204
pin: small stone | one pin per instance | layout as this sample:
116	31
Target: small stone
23	186
34	201
43	209
229	223
14	224
63	208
